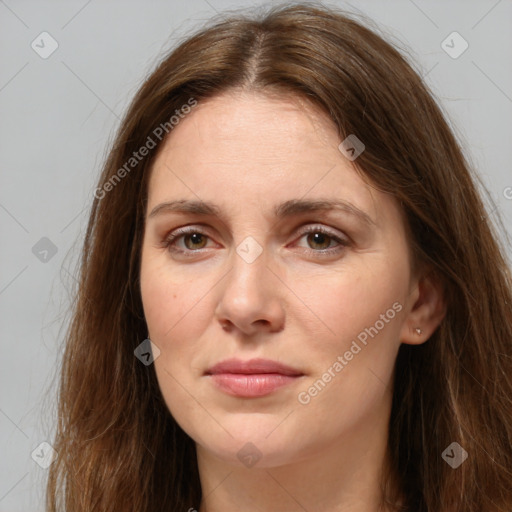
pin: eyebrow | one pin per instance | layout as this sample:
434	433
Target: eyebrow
282	210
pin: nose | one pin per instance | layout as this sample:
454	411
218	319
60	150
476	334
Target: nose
251	297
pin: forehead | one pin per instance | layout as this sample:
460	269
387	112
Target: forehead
260	150
239	125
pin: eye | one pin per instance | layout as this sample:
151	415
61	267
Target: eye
319	240
193	240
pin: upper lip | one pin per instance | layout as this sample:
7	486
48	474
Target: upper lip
253	366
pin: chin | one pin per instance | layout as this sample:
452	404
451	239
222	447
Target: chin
258	454
260	442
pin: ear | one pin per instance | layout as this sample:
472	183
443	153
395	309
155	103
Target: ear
427	308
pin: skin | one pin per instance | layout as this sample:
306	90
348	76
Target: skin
247	152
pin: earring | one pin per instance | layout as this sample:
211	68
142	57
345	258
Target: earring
418	331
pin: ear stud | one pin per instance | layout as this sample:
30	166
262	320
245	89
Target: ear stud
418	331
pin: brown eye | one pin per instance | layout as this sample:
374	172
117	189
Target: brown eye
197	240
186	241
319	240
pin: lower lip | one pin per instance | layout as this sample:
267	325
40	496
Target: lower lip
251	385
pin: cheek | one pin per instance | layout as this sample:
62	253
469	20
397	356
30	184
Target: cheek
160	302
168	299
352	332
171	316
340	305
177	309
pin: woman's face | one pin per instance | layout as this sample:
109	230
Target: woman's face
262	274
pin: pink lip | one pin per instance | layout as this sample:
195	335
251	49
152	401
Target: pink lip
253	378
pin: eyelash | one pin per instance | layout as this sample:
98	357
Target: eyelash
169	242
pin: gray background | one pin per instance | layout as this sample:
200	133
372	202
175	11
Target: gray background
58	114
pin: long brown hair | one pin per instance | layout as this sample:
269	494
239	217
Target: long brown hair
119	448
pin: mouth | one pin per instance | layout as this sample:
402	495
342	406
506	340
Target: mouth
253	378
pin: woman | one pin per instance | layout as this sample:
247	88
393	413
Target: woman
291	297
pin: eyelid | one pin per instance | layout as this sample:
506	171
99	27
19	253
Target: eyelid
343	241
313	227
185	230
